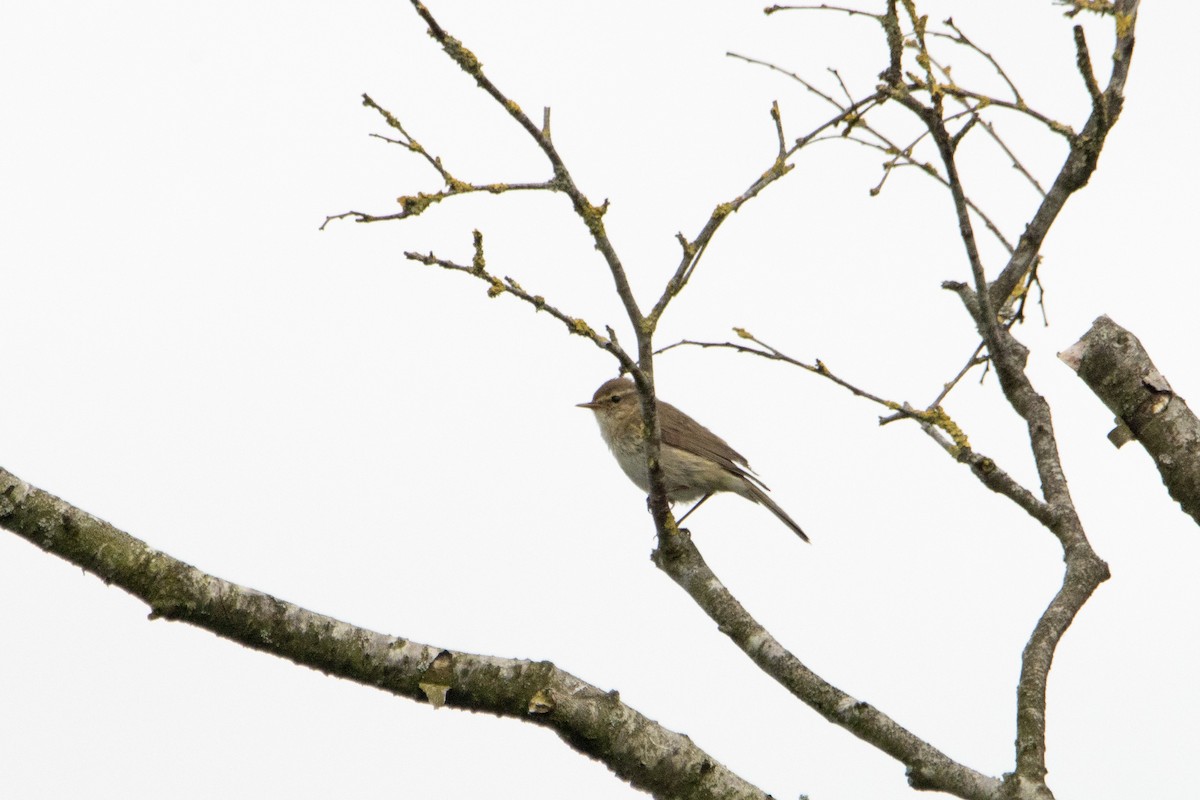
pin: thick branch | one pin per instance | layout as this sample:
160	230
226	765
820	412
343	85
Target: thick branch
1114	365
592	721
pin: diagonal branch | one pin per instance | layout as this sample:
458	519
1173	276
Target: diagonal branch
854	114
497	286
933	420
1084	569
1115	365
927	767
592	215
593	219
590	720
1081	160
693	250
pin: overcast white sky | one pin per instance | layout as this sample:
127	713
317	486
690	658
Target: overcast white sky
309	414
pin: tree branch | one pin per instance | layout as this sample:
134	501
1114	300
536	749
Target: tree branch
1084	569
933	420
590	720
1081	160
496	287
592	215
927	767
1114	365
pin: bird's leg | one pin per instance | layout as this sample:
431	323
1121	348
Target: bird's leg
699	503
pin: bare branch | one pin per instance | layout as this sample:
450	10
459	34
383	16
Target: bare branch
497	287
412	205
927	767
1115	365
976	358
591	214
854	12
694	250
1082	159
934	421
1085	570
592	721
855	119
958	37
1083	61
1059	128
407	140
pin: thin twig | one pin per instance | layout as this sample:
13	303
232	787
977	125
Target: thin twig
591	214
933	420
856	119
961	38
694	249
497	287
1084	62
978	106
854	12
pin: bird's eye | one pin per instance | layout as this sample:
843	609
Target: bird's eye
616	398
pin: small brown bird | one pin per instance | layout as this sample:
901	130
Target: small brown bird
695	461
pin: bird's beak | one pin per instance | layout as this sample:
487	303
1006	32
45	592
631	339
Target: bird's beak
592	404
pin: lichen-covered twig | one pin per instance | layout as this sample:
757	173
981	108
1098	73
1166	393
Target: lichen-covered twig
856	119
497	286
412	205
933	419
694	249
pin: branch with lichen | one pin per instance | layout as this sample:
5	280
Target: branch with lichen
693	249
1101	7
934	420
1117	368
1084	569
412	205
1083	156
854	117
591	214
593	721
506	285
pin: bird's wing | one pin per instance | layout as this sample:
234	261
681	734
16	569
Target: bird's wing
681	431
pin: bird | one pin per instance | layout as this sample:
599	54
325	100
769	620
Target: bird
695	462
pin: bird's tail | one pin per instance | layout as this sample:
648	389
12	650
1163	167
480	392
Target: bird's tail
759	496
